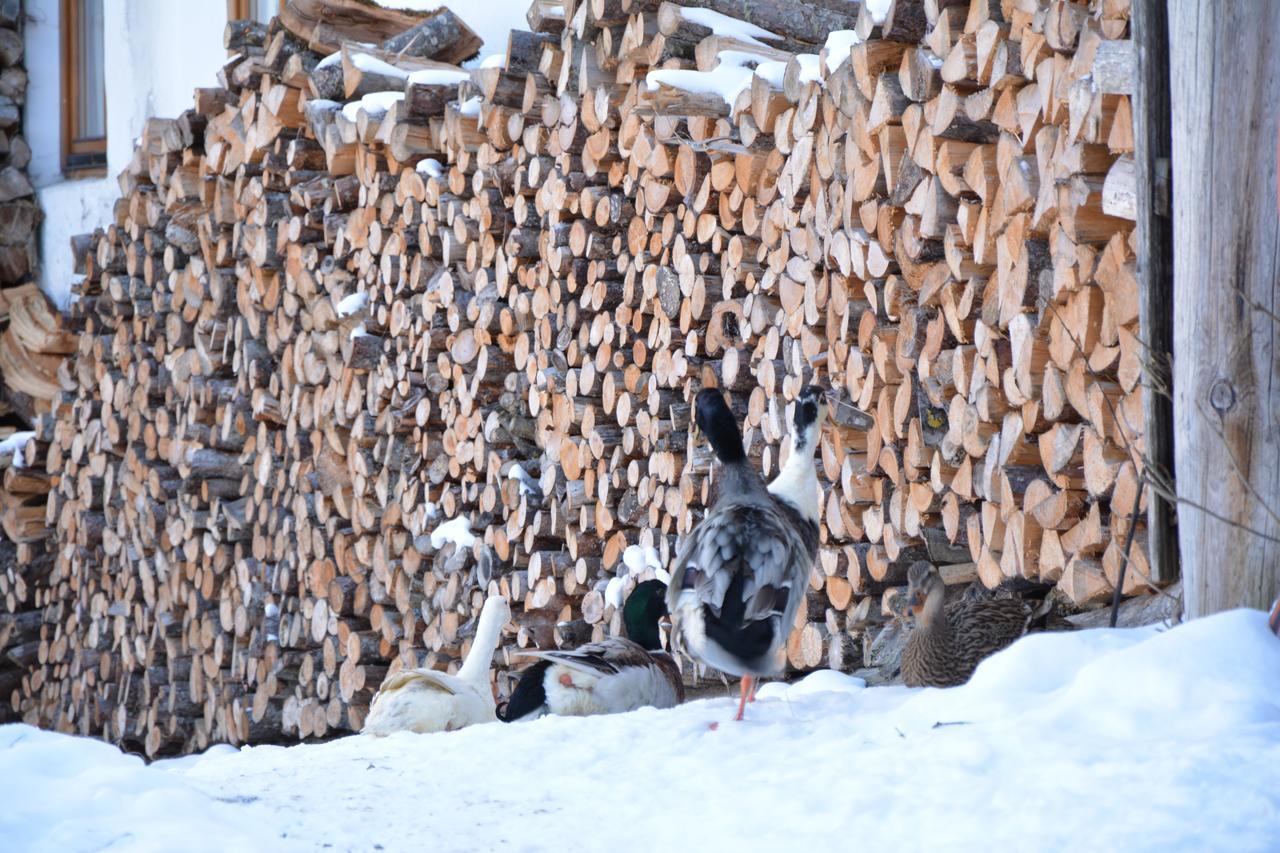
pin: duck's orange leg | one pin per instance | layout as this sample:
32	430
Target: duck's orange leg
744	687
755	687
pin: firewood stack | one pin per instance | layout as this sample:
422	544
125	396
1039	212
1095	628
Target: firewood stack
371	337
33	351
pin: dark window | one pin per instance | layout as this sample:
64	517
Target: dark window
84	91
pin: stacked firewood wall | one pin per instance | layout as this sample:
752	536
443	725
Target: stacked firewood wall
370	338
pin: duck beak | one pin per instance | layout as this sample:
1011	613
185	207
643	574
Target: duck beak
666	633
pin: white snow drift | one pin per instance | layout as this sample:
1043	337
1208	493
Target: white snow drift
1103	740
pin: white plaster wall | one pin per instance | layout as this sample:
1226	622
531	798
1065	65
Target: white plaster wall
157	52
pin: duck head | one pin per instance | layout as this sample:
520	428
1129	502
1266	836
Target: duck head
926	591
644	609
714	419
808	417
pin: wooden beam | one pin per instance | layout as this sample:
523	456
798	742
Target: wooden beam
1153	140
1226	291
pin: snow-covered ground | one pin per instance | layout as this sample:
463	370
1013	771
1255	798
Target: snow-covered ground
1101	740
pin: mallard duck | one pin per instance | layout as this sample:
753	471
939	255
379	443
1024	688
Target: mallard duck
741	574
949	641
427	700
609	677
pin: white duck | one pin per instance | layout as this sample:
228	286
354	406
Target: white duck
615	675
426	700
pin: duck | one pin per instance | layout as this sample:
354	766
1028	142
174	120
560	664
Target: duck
613	676
949	641
741	574
427	700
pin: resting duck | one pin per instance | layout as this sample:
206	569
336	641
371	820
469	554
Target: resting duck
741	574
949	642
427	700
609	677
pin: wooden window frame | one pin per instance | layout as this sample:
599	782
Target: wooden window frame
240	10
81	156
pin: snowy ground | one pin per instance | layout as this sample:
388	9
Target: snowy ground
1101	740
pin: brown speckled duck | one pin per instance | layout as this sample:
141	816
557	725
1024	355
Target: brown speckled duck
949	641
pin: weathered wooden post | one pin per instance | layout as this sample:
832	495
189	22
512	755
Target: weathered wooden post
1225	71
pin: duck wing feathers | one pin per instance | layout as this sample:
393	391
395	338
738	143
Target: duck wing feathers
746	564
982	628
442	681
607	657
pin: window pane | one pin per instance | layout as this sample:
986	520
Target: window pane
91	113
263	10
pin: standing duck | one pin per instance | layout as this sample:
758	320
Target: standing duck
612	676
741	574
427	700
949	642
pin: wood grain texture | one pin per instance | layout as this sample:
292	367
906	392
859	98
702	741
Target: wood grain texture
1226	362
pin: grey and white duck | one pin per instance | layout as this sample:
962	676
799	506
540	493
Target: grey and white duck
742	573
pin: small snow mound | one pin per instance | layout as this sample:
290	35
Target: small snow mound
471	106
820	681
828	681
741	58
374	104
429	167
772	72
359	332
373	65
528	485
810	67
879	9
839	44
723	25
456	530
638	558
14	445
726	81
353	303
495	60
614	592
437	77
